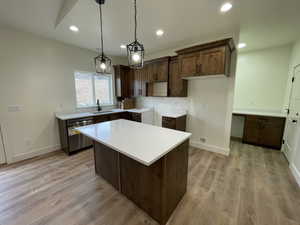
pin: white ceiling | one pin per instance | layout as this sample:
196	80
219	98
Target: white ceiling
268	23
263	23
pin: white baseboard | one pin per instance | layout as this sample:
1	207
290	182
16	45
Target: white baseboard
295	172
34	153
211	148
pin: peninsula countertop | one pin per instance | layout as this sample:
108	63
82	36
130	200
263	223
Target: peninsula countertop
141	142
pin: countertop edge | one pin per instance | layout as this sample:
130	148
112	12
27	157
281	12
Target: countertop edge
135	158
88	114
270	114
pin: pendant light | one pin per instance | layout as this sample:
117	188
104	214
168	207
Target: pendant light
102	62
135	50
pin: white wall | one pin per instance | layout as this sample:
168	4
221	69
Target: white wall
295	159
209	105
261	79
36	74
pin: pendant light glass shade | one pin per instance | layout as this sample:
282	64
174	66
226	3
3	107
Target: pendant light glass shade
135	50
102	62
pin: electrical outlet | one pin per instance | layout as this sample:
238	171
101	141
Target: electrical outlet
203	140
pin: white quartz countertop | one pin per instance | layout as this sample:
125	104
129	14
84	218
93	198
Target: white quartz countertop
138	110
174	115
260	113
77	115
141	142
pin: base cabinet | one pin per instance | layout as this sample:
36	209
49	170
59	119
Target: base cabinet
178	123
157	189
137	117
264	131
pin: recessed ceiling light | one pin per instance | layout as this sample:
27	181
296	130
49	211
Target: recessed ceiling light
74	28
159	32
123	46
242	45
226	7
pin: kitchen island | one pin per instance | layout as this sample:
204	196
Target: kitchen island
147	164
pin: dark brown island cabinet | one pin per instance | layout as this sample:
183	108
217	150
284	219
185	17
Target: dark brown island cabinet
157	189
266	131
176	123
202	60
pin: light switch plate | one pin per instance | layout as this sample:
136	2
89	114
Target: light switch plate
15	108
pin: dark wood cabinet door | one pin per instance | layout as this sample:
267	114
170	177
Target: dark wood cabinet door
123	81
107	164
189	64
177	86
168	122
102	118
271	133
213	61
115	116
153	70
144	80
137	117
137	83
178	123
162	71
264	131
212	58
252	130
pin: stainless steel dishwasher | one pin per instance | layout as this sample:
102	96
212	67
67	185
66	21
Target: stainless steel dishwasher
76	140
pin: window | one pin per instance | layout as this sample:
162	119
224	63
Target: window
90	87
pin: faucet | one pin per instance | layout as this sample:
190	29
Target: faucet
98	105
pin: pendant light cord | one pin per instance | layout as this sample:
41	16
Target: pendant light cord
101	28
135	31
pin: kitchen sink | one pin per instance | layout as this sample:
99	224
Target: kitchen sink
101	112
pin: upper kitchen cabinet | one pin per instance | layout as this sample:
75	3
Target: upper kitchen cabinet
123	81
158	69
208	59
177	86
189	64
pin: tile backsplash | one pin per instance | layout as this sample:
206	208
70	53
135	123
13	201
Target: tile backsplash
163	105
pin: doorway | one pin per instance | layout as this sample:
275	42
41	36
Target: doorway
292	122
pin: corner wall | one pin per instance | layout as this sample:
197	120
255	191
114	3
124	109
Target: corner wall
37	75
209	105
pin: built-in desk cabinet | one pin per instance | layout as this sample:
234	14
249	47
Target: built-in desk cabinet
264	131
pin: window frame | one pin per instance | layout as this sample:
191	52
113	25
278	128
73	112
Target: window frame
93	75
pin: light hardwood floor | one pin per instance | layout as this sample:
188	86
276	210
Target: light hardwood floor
252	186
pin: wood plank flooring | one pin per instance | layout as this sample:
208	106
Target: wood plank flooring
251	187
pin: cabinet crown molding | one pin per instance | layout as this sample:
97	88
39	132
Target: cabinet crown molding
225	42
